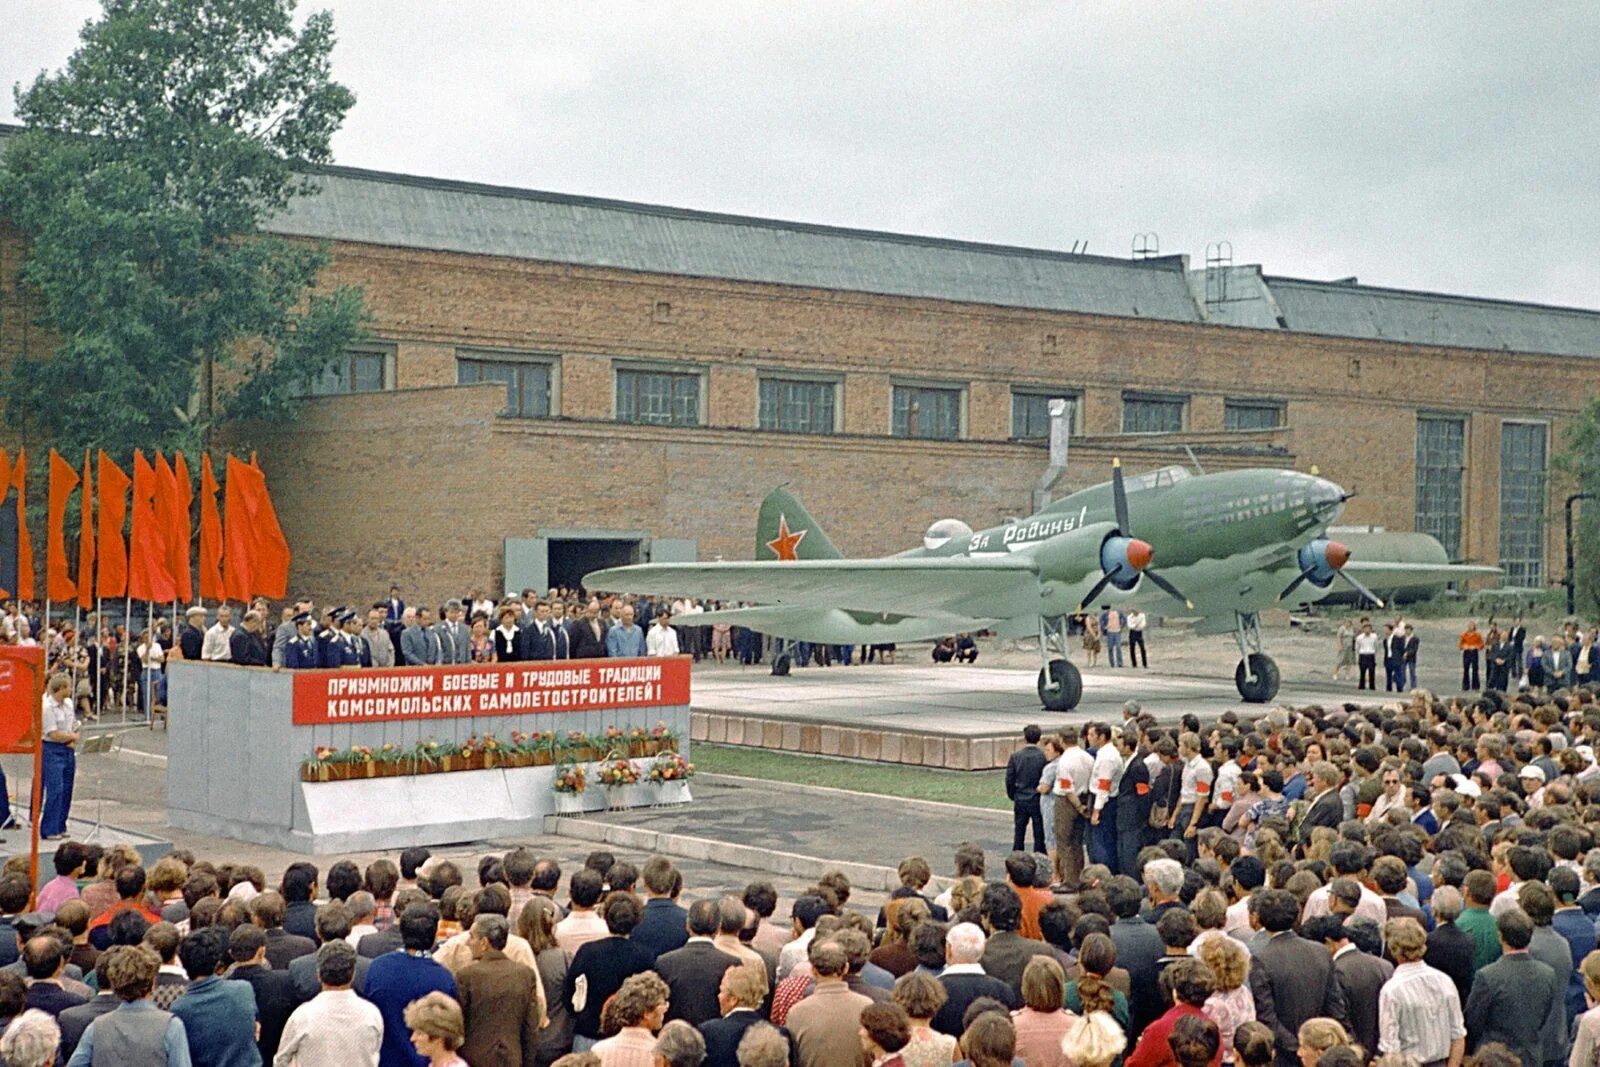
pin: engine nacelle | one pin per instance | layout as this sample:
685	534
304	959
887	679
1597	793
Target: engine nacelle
1123	558
1320	561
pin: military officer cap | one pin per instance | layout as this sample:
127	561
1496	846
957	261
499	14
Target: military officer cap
304	616
346	615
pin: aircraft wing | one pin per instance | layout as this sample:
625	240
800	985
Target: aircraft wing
1381	575
959	586
835	626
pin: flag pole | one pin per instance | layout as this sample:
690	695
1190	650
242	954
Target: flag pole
99	658
150	639
127	648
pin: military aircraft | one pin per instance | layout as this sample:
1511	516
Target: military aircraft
1230	545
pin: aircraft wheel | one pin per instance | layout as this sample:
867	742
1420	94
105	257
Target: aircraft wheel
1060	686
1265	685
781	664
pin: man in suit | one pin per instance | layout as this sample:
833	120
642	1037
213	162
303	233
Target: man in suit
275	998
1326	808
191	638
1139	949
1517	1000
498	1000
333	924
740	996
219	1017
45	961
394	607
1294	978
664	927
1006	953
540	639
455	640
1360	975
419	647
694	972
827	1024
1022	786
267	911
589	634
246	646
965	980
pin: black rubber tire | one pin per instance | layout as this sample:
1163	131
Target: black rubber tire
781	664
1067	689
1265	686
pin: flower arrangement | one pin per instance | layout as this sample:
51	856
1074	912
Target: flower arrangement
614	773
665	738
671	767
570	778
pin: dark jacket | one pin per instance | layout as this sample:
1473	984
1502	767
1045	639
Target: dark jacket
1138	949
1327	810
601	967
502	1016
585	645
1022	774
51	998
275	999
1452	950
1300	977
1007	954
190	641
1514	1001
300	919
663	928
248	649
282	946
723	1036
694	973
374	945
963	989
305	983
1360	978
74	1021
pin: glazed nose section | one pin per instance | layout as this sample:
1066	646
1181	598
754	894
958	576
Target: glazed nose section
1327	498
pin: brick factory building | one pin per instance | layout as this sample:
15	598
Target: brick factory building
558	383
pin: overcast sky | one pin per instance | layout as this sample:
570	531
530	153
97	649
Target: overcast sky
1439	146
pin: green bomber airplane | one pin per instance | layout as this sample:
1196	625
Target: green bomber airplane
1230	545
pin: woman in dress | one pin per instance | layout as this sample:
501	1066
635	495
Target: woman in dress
1346	642
1535	667
1091	638
482	643
1230	1004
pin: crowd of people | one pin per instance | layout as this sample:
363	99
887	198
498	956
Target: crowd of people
1503	658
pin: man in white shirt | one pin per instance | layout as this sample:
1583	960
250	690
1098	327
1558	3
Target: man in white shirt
662	640
219	637
1074	774
1137	656
335	1026
1104	781
1194	791
1367	642
1419	1009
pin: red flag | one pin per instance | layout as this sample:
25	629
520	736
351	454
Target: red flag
147	544
112	578
86	539
271	567
19	480
210	534
174	537
8	537
58	580
238	551
183	530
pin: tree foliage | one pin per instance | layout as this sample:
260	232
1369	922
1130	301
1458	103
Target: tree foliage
141	184
1580	461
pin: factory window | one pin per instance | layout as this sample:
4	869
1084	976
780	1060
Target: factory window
927	411
528	382
1152	413
1522	470
360	370
1441	455
664	398
1030	412
1252	414
798	405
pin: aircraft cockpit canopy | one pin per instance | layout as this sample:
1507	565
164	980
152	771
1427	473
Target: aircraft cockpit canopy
943	532
1160	478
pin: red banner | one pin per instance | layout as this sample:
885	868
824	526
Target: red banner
337	697
21	697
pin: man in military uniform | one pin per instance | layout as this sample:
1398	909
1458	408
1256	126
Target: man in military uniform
300	651
354	652
330	640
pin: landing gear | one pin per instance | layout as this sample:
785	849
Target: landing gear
1256	677
1060	684
781	664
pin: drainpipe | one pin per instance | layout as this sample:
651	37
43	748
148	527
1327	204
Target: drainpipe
1060	431
1569	580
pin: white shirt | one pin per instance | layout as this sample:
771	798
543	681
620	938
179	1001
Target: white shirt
1419	1013
215	646
334	1027
661	641
1227	785
1107	774
1074	772
1195	785
57	715
152	656
1136	621
794	953
1367	644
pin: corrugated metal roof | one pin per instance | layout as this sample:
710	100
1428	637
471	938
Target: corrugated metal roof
1345	309
388	209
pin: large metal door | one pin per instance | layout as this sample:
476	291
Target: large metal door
527	564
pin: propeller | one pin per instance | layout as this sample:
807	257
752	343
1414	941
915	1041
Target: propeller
1124	557
1321	561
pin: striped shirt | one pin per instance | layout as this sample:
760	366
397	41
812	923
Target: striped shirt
1419	1013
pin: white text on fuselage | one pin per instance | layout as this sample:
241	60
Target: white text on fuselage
1027	532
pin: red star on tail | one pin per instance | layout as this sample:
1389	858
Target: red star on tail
785	544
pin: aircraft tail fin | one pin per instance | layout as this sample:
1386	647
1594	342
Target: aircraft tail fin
785	530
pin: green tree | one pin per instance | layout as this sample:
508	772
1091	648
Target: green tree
141	184
1580	461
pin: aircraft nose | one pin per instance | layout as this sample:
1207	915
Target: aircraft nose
1337	555
1327	498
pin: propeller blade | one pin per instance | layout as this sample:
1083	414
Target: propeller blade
1119	498
1377	601
1167	587
1088	598
1292	586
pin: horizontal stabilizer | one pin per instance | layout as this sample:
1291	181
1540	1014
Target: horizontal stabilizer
1383	575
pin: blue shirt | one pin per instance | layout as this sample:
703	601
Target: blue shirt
625	642
177	1040
394	980
219	1016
